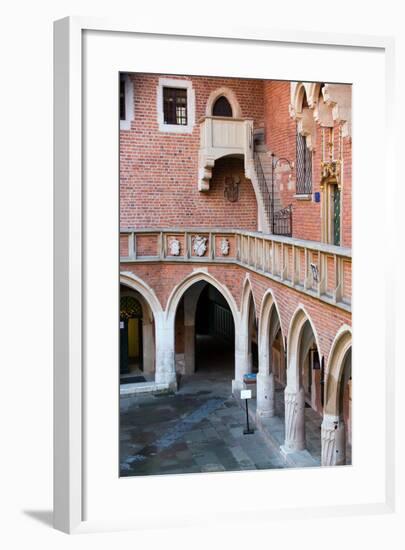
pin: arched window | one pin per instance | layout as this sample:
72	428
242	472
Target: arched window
222	107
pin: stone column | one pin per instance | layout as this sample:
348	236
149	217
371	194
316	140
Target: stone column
165	372
242	365
265	387
189	349
148	347
265	395
294	420
190	306
333	441
316	390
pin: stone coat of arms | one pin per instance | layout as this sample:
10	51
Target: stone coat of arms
174	247
200	245
225	247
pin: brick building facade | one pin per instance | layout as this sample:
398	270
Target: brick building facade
245	186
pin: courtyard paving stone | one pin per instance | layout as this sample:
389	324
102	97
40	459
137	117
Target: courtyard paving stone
198	429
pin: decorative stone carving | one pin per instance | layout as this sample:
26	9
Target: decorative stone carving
307	127
331	173
290	410
323	114
294	421
200	245
328	445
315	272
225	247
333	441
174	247
231	188
339	98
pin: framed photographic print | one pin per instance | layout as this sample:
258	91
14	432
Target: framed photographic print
212	297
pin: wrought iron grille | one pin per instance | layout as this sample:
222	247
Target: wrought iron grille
304	166
282	222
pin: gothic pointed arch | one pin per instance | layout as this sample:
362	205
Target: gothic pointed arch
340	347
199	275
229	95
147	294
294	340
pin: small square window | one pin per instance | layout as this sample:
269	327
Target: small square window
175	106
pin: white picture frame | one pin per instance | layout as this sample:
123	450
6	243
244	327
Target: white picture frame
72	257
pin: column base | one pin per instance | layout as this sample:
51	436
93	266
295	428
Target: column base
286	450
265	413
237	386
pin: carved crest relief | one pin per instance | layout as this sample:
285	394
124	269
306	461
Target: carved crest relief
231	188
174	247
200	245
225	247
315	272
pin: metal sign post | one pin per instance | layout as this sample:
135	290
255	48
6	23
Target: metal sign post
247	394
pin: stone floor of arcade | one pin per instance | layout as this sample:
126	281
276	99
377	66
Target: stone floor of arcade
200	427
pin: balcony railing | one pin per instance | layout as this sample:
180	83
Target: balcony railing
317	269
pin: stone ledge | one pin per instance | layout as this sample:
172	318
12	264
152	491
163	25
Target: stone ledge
142	387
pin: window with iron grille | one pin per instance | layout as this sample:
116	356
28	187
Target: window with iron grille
122	99
304	166
175	106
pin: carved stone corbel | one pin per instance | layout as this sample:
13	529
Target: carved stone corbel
339	98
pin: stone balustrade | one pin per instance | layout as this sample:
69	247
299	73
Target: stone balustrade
317	269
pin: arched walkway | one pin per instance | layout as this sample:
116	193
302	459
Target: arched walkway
269	329
137	337
199	299
163	351
211	328
302	360
336	425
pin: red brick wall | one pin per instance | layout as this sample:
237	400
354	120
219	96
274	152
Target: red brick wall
159	170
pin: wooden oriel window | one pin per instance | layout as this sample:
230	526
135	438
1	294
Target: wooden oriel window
175	106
